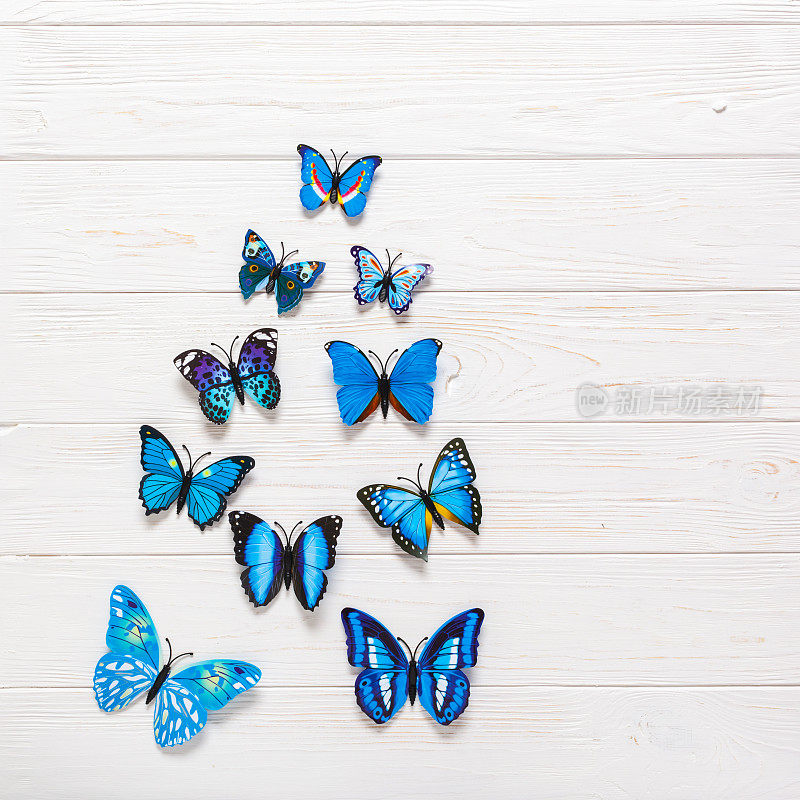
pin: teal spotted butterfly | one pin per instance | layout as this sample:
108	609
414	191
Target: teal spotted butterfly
134	665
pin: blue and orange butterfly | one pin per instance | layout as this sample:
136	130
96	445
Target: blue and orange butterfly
182	702
375	283
389	678
410	514
270	563
321	183
363	389
166	481
261	271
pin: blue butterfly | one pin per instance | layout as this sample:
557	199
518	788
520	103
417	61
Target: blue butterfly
167	482
450	495
270	563
321	183
376	284
260	271
388	677
364	389
134	665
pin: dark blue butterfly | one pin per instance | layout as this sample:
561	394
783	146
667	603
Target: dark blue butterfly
260	271
375	283
321	183
166	481
410	514
364	389
388	677
134	664
270	563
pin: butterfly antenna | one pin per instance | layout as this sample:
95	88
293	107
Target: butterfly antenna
280	528
197	460
414	657
378	359
172	660
415	485
291	535
407	647
169	658
389	356
214	344
335	161
419	480
189	456
291	253
230	352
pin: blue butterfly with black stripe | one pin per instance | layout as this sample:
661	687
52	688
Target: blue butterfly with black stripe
389	678
271	563
166	480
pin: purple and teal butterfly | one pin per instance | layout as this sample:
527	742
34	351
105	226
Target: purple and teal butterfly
375	283
321	183
219	385
134	665
389	678
411	513
166	481
270	562
363	389
261	271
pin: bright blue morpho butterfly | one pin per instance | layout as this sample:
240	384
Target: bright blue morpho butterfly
388	677
166	481
321	183
261	271
218	385
363	388
271	563
375	283
182	702
410	514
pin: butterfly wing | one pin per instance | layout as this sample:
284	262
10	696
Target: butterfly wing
451	487
212	379
259	263
217	681
409	389
402	284
354	184
316	177
255	364
205	501
120	679
160	488
178	714
352	370
314	551
402	511
370	275
443	687
382	686
257	547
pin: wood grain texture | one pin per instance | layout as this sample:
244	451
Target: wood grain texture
451	91
546	488
715	619
510	225
572	744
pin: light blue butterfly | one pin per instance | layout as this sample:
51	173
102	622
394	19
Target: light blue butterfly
134	665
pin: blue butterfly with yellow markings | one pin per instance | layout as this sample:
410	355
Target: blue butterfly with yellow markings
182	702
166	481
389	678
321	183
392	285
410	514
271	563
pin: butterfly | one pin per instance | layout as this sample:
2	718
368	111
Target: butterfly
270	563
450	495
134	665
167	482
373	282
364	389
218	384
261	272
321	183
388	677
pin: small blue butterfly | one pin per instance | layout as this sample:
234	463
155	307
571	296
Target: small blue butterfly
270	563
364	389
388	677
410	514
167	482
321	183
134	664
260	271
375	283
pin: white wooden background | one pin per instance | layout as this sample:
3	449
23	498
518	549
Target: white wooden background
609	192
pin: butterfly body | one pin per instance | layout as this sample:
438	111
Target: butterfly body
389	284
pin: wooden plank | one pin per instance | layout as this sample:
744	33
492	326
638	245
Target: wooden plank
506	357
552	488
574	744
508	91
663	620
525	225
